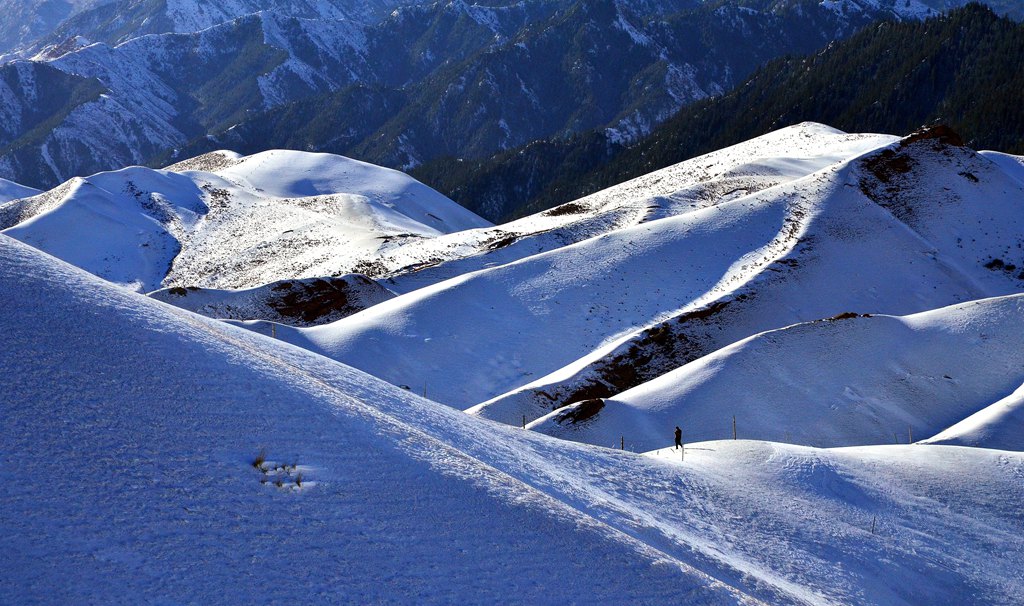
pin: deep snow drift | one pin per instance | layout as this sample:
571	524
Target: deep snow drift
131	427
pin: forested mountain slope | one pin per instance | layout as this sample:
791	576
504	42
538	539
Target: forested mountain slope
962	69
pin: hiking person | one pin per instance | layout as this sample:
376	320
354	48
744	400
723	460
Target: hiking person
679	437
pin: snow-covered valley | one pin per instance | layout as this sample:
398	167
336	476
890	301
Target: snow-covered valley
246	379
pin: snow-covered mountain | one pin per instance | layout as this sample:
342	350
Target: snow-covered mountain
759	244
228	221
849	250
888	379
24	21
120	20
154	455
54	27
469	79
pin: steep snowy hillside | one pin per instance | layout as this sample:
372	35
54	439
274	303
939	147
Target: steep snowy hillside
959	239
131	428
164	413
840	382
224	221
705	181
613	311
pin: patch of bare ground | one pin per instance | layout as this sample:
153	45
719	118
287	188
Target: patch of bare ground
849	315
571	208
651	353
312	300
888	174
208	162
499	240
1005	267
587	409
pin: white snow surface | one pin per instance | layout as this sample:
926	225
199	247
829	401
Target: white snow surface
246	222
1000	425
853	381
1013	165
130	427
784	155
802	249
9	190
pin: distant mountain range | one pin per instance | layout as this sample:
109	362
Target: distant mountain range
27	26
448	78
963	69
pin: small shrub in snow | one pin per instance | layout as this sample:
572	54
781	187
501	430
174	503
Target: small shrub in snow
260	461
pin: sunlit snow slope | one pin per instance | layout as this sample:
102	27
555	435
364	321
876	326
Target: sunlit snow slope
130	428
602	315
129	434
224	221
850	381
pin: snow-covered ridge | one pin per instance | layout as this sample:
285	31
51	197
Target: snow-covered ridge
604	314
10	190
845	381
250	221
848	257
